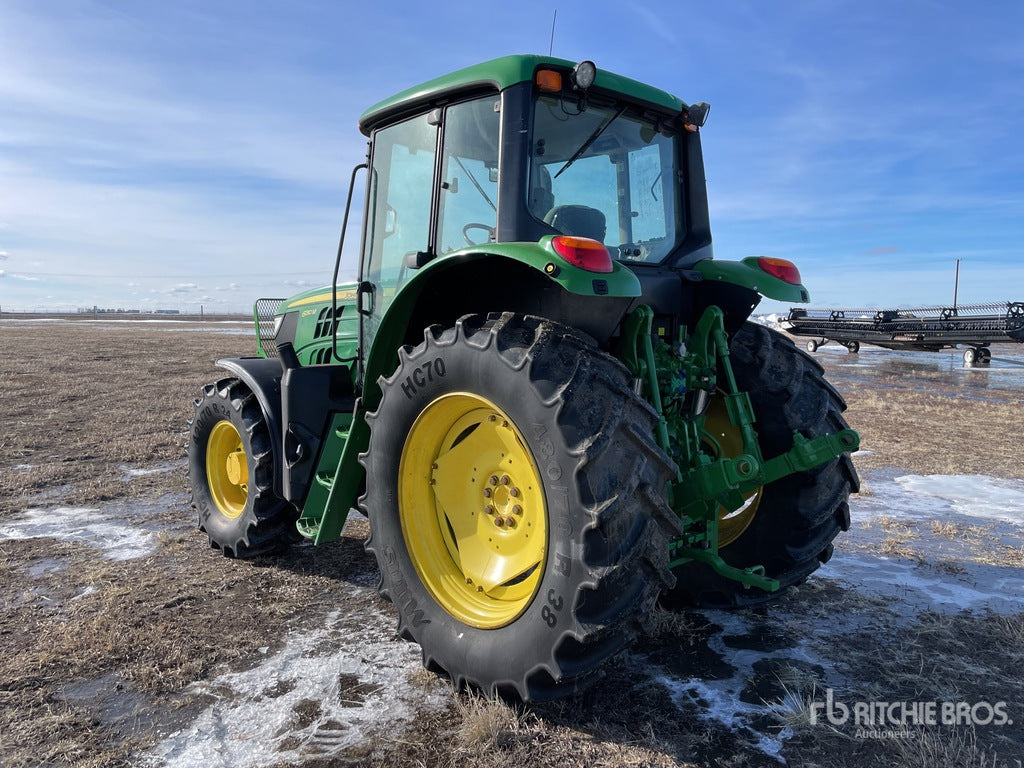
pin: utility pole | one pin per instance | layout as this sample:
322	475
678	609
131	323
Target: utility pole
956	284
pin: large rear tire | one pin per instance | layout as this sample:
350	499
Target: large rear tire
789	525
517	504
231	472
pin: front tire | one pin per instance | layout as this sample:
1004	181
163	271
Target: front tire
231	473
517	504
789	525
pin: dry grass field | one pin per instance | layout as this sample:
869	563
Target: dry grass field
125	640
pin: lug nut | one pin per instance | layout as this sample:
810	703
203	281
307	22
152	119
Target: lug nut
500	522
517	510
505	480
513	492
510	522
489	509
487	493
493	480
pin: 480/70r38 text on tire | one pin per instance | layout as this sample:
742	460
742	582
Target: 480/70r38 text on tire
489	432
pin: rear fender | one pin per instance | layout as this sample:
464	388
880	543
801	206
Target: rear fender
747	274
736	287
529	278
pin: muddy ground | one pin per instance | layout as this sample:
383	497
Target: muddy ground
125	640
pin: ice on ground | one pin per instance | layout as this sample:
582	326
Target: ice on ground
721	700
941	497
325	691
971	495
923	587
948	577
89	525
133	472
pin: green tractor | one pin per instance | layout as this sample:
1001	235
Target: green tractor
542	391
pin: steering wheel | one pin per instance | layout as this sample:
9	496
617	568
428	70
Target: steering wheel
474	225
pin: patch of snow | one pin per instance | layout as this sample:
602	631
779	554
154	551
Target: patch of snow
920	500
132	472
23	467
919	587
719	700
325	691
769	321
941	497
85	524
85	592
971	495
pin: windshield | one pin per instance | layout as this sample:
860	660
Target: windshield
606	174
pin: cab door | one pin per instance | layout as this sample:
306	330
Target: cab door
398	214
408	221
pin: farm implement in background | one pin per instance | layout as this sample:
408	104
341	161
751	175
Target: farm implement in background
975	326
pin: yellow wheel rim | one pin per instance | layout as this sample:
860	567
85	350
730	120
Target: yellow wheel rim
472	510
724	440
227	470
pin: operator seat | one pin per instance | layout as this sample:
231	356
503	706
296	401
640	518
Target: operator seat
579	220
542	199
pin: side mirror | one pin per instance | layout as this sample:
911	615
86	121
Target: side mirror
365	297
416	259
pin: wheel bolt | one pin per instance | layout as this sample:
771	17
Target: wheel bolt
493	480
500	522
489	509
510	522
516	510
487	493
513	492
505	480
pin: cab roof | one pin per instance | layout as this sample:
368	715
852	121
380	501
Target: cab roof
499	74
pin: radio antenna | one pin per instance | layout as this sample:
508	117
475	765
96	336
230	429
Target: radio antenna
551	46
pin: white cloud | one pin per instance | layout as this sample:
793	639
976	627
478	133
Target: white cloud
16	276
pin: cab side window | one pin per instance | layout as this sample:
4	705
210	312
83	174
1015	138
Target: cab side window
398	214
469	187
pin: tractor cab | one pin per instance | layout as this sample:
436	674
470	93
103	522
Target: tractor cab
525	148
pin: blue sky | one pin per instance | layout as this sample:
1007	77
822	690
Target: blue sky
177	154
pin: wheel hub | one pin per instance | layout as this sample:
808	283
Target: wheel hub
236	467
724	440
472	509
227	469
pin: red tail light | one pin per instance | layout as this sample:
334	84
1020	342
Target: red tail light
786	271
583	252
